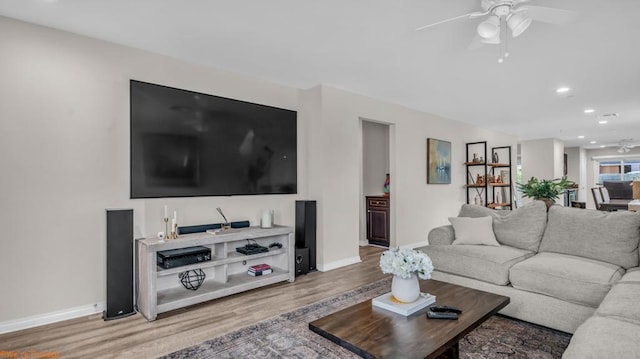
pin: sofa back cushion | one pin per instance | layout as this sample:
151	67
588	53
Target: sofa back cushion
521	228
611	237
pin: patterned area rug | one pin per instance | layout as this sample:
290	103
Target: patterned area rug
288	335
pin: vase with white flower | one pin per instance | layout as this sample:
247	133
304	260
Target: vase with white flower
406	265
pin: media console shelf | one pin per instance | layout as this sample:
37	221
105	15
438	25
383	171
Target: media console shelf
160	290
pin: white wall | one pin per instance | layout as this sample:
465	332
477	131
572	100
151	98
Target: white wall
417	207
64	139
577	170
542	159
375	148
558	158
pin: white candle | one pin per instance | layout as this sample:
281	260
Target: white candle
166	213
175	215
173	225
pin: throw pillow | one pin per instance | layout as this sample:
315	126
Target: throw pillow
521	228
469	230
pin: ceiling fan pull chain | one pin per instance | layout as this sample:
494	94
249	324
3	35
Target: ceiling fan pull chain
503	39
506	42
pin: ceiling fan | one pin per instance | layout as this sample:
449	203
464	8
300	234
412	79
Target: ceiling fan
500	15
626	145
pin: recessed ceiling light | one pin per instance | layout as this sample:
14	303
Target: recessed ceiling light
581	136
602	146
562	89
602	122
589	110
593	142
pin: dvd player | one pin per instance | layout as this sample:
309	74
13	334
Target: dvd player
252	249
183	256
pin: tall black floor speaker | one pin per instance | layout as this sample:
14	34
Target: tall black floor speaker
119	264
305	230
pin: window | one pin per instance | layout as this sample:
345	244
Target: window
619	170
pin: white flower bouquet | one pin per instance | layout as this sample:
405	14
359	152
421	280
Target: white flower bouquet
404	262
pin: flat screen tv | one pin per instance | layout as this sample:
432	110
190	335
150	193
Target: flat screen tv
186	144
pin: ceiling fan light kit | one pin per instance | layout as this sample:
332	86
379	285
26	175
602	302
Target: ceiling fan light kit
507	13
518	24
495	40
624	146
489	28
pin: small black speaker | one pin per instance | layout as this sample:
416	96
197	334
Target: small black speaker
302	261
119	264
305	230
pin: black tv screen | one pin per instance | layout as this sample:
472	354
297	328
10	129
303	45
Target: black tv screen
186	144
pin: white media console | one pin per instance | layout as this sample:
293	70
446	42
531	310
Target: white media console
160	290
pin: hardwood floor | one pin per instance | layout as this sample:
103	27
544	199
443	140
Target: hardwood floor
135	337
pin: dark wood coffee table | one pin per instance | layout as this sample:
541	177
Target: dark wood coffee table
373	332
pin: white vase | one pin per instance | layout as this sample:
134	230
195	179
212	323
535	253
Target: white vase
405	290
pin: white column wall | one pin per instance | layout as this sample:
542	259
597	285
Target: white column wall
542	159
577	170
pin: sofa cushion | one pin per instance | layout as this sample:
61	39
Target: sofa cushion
485	263
601	337
473	231
441	235
622	303
632	275
521	228
573	279
605	236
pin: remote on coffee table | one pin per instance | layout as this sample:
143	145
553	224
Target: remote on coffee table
373	332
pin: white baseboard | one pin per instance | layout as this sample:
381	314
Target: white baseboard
338	264
363	242
48	318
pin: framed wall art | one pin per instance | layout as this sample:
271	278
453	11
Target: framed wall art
438	161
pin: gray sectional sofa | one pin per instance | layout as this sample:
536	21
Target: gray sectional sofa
570	269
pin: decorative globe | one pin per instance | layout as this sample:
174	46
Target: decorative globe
192	279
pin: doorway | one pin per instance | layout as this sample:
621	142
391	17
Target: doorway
376	138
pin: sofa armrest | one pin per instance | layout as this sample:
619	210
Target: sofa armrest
441	235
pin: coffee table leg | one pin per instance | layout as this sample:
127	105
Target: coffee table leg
451	353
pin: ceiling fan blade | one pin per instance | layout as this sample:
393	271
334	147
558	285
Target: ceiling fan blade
476	43
548	14
469	15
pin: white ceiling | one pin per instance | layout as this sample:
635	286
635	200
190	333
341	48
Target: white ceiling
370	47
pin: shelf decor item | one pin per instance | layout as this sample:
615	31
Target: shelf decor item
386	187
166	225
438	161
406	265
192	279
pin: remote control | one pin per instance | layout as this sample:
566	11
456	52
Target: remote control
443	315
444	308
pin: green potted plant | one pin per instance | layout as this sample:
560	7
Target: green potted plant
544	190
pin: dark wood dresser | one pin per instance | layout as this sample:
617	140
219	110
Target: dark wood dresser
378	220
